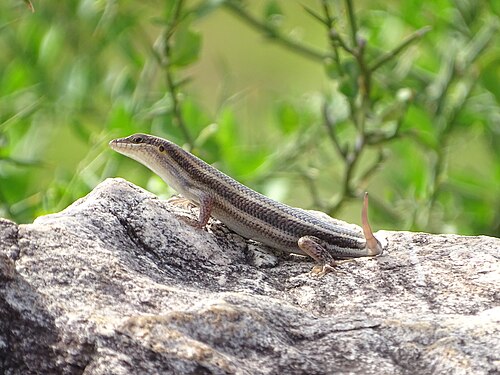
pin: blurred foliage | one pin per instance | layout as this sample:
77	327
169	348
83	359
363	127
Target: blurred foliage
398	98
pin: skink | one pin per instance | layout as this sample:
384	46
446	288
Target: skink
245	211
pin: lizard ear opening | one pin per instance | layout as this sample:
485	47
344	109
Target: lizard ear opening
161	148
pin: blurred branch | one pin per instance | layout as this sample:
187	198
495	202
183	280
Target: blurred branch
358	111
330	125
316	15
356	85
480	41
4	205
458	69
30	5
21	163
363	179
381	60
22	114
333	36
449	120
167	64
313	189
272	33
352	21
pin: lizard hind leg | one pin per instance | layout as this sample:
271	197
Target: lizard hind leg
312	246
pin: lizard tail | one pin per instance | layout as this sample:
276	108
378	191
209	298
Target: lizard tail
373	246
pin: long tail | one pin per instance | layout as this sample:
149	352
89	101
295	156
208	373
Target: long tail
373	245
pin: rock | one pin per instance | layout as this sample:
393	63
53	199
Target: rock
117	284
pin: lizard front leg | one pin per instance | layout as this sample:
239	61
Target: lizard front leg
205	205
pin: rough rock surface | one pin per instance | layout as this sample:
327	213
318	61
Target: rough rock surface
117	284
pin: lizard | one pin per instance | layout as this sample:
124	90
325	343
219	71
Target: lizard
247	212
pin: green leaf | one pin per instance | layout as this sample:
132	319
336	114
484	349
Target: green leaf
421	125
168	9
227	129
194	116
349	83
82	131
120	119
186	48
237	161
331	68
272	11
289	118
50	46
348	87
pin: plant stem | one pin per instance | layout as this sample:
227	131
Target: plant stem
381	60
177	119
273	34
352	21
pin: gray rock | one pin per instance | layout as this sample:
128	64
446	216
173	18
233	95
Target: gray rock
117	284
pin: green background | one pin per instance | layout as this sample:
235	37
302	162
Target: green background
270	92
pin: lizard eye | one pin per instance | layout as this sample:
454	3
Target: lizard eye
161	148
137	140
